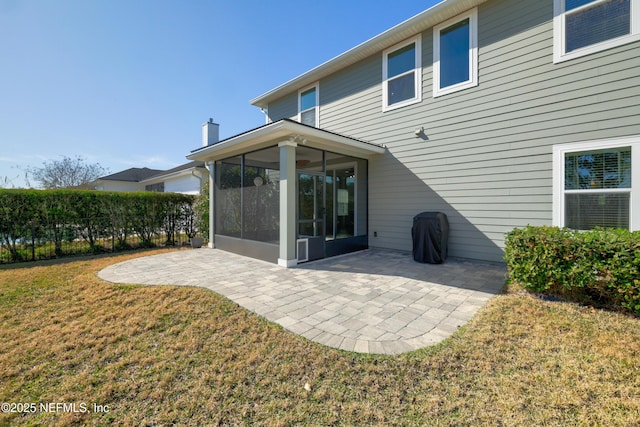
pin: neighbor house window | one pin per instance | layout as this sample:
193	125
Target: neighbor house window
159	187
455	54
402	74
308	113
582	27
595	185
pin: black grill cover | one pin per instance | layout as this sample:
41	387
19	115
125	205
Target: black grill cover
430	234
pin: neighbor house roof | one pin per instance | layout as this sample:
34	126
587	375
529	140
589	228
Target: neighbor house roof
178	170
132	175
412	26
186	166
144	174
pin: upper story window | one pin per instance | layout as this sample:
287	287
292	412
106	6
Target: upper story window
455	54
308	113
401	74
582	27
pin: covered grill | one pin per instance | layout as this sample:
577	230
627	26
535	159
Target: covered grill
430	233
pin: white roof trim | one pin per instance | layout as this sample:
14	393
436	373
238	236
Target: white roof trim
409	28
284	130
163	177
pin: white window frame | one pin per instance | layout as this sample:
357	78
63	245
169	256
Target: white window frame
559	41
315	86
472	15
417	74
559	152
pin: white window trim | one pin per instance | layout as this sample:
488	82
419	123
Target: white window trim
559	54
315	86
559	152
472	15
417	74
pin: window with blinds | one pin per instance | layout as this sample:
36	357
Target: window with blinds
586	26
597	188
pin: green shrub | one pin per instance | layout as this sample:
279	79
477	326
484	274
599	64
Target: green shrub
35	217
601	265
201	211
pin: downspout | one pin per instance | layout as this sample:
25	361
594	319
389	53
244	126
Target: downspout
212	205
265	111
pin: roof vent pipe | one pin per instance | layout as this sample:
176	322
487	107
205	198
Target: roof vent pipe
210	133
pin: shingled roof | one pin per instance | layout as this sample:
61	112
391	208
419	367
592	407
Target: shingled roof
132	175
193	164
141	174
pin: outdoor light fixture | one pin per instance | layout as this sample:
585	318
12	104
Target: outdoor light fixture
298	139
420	133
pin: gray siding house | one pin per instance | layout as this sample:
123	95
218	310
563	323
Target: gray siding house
499	113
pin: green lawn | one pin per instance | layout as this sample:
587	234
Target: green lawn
172	355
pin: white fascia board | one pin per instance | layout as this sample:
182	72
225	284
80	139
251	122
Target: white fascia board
228	147
282	130
159	178
407	29
318	138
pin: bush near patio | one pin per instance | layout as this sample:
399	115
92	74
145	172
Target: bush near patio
599	266
32	221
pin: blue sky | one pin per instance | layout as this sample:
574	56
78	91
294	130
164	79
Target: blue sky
128	83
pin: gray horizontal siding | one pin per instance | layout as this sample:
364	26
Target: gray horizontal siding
286	107
487	162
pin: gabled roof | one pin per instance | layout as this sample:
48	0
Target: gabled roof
144	174
186	166
282	130
412	26
131	175
178	170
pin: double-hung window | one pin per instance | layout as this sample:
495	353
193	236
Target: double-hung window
308	112
455	54
582	27
594	185
402	74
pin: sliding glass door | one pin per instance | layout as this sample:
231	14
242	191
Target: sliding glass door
341	203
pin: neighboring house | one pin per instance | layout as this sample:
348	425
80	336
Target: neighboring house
187	179
499	113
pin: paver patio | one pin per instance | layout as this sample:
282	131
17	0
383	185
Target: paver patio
374	301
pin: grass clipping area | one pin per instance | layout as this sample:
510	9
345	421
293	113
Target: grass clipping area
160	355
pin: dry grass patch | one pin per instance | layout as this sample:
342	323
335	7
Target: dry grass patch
171	355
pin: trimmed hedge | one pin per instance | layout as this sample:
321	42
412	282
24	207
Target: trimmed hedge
601	265
56	215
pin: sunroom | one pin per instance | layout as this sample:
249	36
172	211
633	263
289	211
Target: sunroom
288	193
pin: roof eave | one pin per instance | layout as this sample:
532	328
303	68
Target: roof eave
283	130
162	177
412	26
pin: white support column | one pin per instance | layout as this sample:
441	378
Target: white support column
287	257
212	205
